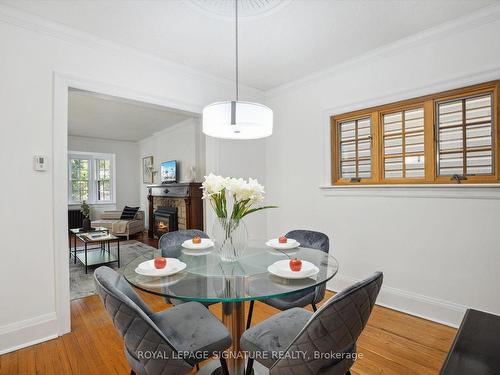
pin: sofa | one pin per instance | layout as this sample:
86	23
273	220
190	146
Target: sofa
111	220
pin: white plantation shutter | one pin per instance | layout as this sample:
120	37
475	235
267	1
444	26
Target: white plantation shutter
464	136
403	144
355	149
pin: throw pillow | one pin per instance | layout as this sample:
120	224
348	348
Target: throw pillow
129	213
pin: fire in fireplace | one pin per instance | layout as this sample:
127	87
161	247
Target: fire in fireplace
165	220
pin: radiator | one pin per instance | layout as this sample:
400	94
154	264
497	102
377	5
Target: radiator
75	219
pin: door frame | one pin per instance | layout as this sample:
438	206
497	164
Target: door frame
62	84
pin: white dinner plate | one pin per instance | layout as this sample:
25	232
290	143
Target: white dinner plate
281	268
205	244
148	268
196	253
290	244
290	252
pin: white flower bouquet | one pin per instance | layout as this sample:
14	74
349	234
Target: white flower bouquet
245	194
229	232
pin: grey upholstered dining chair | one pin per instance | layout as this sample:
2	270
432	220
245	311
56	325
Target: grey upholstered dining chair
176	238
168	342
333	329
312	296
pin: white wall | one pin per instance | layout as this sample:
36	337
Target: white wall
243	159
126	166
183	142
186	143
439	248
32	50
439	258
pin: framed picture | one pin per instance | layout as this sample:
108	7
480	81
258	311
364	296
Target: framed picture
147	170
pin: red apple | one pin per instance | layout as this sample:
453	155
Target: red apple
160	262
295	264
196	239
282	239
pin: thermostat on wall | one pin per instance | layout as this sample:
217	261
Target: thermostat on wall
39	163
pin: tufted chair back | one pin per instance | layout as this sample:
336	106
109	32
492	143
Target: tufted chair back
312	240
334	328
176	238
131	317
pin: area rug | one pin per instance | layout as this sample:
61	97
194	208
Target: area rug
82	285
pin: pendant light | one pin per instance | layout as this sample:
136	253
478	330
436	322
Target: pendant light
237	119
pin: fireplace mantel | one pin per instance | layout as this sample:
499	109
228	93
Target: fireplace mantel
185	196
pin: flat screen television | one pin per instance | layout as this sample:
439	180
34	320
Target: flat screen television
168	171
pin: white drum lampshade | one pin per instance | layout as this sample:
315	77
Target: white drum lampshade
237	120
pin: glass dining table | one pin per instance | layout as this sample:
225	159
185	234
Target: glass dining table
207	279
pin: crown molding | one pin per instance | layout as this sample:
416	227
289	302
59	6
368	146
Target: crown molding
101	140
479	18
131	102
27	21
170	129
19	18
491	74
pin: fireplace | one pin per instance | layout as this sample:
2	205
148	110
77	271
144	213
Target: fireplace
165	220
186	196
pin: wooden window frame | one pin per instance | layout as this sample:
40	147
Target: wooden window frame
428	103
382	113
337	137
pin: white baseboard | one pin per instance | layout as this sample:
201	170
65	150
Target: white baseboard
28	332
429	308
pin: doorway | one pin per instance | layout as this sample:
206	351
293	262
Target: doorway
64	88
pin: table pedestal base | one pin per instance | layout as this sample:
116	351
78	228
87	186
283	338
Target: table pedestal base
233	317
213	368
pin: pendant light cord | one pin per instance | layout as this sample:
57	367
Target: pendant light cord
236	23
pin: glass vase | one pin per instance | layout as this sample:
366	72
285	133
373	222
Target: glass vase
230	238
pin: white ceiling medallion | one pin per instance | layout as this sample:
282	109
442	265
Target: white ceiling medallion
246	8
236	119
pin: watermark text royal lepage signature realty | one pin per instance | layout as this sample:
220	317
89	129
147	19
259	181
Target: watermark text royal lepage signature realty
275	355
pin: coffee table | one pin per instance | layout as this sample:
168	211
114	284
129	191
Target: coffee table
72	234
100	255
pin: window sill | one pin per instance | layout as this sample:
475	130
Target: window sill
94	204
451	191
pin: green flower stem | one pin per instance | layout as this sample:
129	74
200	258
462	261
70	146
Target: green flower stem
241	209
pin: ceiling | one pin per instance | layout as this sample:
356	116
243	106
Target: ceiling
285	42
102	116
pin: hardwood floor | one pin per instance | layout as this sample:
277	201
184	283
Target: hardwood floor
393	343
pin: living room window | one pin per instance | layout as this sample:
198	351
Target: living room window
91	177
450	137
103	179
79	179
